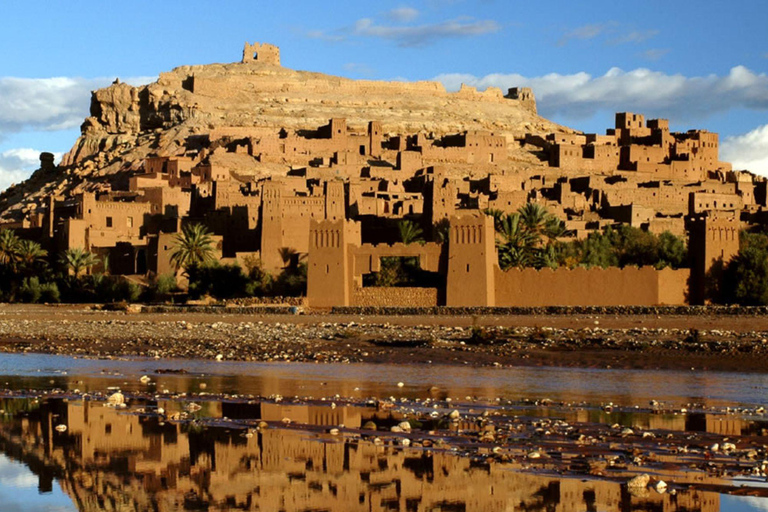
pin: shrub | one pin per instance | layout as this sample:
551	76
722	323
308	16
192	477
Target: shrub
49	292
30	290
115	289
220	281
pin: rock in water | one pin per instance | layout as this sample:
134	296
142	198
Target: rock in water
116	399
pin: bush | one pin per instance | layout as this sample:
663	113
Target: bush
49	293
745	277
32	291
625	246
110	288
220	281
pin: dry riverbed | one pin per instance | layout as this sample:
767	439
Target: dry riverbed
700	342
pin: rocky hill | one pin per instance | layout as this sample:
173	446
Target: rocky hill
172	116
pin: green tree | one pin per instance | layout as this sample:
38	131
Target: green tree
9	248
30	256
673	251
745	279
535	218
527	238
192	247
78	260
410	232
514	242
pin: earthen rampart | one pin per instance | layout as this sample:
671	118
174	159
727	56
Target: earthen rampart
379	296
629	286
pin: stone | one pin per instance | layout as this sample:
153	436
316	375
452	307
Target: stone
116	399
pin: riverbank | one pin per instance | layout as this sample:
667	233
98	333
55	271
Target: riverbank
700	341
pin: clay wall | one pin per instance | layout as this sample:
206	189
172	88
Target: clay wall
700	202
394	297
508	202
675	225
367	258
668	200
629	121
167	201
110	222
590	287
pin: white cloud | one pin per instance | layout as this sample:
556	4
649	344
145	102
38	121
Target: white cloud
634	36
403	14
615	32
654	54
14	474
586	32
654	93
57	103
16	165
748	151
422	35
324	36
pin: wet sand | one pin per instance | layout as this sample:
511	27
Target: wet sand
698	342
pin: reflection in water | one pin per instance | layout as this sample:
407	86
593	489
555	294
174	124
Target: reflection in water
624	387
113	459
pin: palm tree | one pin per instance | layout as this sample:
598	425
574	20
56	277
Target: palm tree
9	248
409	232
497	215
30	254
534	216
193	246
78	260
514	242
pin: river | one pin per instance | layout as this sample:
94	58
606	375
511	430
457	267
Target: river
206	435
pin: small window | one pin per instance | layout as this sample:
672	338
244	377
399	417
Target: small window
467	267
109	222
130	222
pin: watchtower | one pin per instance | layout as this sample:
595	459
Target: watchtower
713	242
471	261
329	265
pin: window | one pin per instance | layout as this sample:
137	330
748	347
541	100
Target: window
130	222
109	222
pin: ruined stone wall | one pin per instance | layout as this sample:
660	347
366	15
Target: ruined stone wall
591	287
394	297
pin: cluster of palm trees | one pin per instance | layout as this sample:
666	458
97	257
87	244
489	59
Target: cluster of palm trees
20	256
527	237
26	257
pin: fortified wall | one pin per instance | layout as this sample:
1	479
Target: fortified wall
337	262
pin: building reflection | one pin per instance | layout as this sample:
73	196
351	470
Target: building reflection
109	459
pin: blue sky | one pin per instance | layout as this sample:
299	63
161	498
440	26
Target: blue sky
702	63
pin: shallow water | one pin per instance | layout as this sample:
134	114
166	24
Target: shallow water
624	387
213	457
